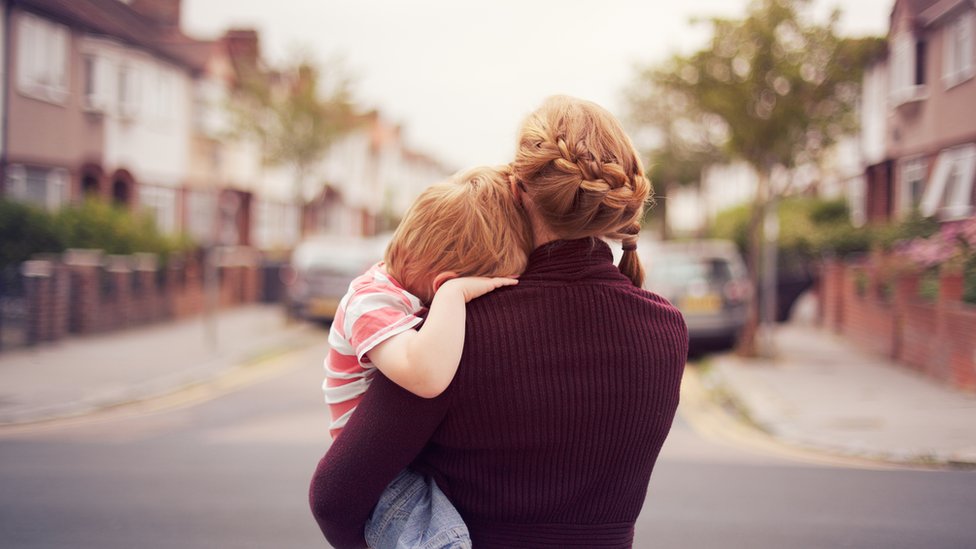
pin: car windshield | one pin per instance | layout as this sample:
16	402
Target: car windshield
321	256
678	270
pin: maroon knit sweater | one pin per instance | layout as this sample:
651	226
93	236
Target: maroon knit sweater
548	434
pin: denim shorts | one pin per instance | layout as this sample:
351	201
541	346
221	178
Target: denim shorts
413	513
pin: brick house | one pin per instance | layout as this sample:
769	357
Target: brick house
919	114
97	104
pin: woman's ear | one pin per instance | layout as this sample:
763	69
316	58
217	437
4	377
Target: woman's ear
440	279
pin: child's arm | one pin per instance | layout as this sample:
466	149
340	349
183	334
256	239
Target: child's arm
424	361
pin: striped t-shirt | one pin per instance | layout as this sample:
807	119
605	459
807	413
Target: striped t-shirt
374	309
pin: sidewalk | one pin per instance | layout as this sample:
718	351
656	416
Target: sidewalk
823	393
83	374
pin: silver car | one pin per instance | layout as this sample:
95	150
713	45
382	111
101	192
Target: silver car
321	269
708	282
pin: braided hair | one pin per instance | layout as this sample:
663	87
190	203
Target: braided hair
584	177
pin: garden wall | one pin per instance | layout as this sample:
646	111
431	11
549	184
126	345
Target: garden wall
888	311
87	292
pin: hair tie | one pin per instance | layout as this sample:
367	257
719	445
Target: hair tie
629	246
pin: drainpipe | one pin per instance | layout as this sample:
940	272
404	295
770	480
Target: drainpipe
5	124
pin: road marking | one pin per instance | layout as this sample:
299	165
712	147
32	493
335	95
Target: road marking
711	421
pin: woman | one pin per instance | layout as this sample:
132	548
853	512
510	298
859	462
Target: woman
568	383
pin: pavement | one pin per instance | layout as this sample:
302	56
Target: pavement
819	393
80	375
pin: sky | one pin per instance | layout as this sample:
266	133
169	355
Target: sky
459	76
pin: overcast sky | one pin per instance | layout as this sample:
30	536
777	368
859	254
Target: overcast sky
460	75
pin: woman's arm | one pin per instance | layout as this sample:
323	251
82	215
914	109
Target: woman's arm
388	430
424	361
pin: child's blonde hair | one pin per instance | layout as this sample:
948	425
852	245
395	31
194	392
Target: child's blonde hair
469	224
584	177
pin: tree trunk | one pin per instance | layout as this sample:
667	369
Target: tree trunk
747	344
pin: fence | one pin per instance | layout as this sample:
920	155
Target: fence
87	291
915	318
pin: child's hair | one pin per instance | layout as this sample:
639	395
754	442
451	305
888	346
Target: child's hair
469	224
583	176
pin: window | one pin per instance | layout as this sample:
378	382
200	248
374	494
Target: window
201	215
160	202
907	69
42	187
42	61
129	90
97	84
958	64
950	193
911	185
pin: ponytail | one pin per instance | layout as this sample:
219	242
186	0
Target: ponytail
630	264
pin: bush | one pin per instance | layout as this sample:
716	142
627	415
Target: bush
25	231
809	228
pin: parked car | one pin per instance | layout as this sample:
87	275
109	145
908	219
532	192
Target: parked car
708	282
321	269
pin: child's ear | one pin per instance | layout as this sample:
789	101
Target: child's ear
442	278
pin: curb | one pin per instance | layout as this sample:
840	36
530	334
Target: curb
202	374
723	399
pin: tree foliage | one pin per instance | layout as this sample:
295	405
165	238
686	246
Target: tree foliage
782	89
774	89
296	114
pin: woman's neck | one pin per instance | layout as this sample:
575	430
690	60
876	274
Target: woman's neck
541	234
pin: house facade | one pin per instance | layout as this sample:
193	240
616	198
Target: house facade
108	98
919	116
96	105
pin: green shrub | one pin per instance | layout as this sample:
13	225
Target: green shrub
25	231
809	228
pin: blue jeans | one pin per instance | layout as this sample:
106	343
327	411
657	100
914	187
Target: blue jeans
413	513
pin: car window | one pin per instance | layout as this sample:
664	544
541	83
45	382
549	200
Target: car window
680	270
314	256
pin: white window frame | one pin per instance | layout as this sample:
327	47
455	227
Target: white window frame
201	216
43	48
98	84
959	49
129	90
160	202
55	186
911	175
949	193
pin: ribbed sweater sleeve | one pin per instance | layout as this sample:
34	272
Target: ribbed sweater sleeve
548	434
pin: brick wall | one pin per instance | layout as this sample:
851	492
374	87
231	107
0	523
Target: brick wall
879	307
86	291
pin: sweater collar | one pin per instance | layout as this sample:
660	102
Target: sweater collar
568	260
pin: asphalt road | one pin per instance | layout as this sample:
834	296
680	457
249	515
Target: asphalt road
228	466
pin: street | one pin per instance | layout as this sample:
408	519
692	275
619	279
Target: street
229	466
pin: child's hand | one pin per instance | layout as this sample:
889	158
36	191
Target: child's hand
471	287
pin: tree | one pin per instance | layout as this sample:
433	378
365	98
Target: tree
294	116
681	142
779	89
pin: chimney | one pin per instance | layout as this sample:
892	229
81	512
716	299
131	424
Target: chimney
165	13
243	47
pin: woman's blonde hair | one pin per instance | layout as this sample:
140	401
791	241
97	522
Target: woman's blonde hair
469	224
582	174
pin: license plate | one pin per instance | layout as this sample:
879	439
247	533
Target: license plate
708	303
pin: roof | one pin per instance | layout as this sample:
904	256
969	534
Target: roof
118	20
942	8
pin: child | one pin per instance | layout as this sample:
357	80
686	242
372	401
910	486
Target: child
458	241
